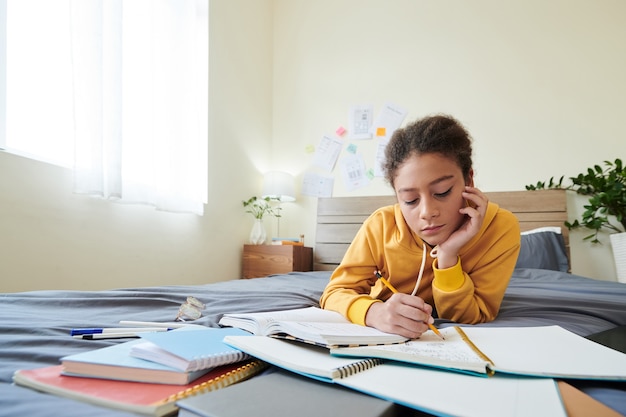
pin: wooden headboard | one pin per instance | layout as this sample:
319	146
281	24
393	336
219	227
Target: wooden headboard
339	218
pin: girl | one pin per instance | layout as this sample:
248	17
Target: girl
444	246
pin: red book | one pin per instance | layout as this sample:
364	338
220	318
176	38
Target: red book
137	397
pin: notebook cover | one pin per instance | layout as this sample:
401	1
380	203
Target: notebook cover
138	397
280	393
190	349
614	338
579	404
115	362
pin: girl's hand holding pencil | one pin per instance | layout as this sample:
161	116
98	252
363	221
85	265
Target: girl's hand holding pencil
392	288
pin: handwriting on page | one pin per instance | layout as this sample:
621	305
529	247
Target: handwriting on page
429	345
444	350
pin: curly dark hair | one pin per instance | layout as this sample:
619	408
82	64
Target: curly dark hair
441	134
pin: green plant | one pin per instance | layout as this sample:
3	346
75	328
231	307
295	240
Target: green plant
606	189
259	207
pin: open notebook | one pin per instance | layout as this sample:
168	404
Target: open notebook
429	390
547	351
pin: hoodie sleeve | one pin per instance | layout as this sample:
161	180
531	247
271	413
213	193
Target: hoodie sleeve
472	290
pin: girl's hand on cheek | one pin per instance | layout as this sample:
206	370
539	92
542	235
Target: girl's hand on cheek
474	212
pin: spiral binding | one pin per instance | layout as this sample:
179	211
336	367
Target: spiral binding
203	362
229	378
357	367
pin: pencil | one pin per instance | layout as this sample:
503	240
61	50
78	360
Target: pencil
393	289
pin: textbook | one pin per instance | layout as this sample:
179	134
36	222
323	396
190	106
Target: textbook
310	325
426	389
115	362
137	397
546	351
189	350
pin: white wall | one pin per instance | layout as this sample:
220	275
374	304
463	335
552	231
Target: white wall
539	84
51	238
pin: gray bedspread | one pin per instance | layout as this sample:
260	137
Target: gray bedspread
34	326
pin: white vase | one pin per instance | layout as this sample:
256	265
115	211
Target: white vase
257	234
618	243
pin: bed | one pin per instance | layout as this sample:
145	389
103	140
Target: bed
34	325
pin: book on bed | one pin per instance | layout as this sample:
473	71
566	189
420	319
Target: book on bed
547	351
137	397
115	362
284	394
426	389
310	325
306	359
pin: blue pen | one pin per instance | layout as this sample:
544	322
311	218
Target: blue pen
98	330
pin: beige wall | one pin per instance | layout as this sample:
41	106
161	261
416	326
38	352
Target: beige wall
539	84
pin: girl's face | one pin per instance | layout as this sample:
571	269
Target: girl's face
428	188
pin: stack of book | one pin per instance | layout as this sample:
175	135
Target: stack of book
287	241
147	375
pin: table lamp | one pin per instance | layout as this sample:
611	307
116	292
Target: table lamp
279	185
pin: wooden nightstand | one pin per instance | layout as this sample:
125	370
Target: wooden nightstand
262	260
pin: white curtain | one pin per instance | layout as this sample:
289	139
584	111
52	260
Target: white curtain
140	101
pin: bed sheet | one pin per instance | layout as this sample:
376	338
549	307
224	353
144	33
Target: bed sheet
34	326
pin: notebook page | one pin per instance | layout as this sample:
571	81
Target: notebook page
450	393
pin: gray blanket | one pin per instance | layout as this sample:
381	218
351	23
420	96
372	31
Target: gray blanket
34	326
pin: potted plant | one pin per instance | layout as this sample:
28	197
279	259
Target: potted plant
259	207
605	210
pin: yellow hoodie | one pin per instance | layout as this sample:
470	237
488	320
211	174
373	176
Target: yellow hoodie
469	292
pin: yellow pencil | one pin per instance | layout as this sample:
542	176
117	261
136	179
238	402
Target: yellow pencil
393	289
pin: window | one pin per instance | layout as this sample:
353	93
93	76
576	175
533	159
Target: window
66	61
38	80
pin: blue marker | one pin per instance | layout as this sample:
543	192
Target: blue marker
99	330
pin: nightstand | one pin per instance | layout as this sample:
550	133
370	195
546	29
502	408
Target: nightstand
262	260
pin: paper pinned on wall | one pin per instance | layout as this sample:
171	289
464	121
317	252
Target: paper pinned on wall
380	158
390	118
327	153
360	119
354	172
317	185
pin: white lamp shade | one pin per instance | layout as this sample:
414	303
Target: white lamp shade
279	185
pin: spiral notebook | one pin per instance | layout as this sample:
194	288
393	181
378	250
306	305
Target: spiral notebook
543	351
279	393
433	391
115	362
189	349
306	359
143	398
